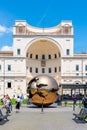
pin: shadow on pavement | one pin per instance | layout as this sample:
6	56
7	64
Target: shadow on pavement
3	122
35	106
78	121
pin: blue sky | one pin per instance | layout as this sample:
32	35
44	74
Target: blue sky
45	13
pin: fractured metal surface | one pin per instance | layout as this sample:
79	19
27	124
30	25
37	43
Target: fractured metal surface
42	89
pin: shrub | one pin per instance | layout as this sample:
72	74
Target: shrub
13	101
0	103
24	101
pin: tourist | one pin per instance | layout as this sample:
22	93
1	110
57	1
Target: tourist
84	102
59	100
22	98
74	101
3	100
8	104
18	102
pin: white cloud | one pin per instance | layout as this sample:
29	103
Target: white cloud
4	29
6	48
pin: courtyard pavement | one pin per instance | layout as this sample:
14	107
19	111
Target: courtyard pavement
51	118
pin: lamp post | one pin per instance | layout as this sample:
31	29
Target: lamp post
82	71
42	106
82	78
4	75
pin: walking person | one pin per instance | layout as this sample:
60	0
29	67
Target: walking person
22	98
18	103
74	102
84	102
9	102
3	100
59	100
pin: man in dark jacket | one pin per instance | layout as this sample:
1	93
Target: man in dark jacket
84	102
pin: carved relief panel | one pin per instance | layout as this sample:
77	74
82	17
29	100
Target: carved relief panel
20	30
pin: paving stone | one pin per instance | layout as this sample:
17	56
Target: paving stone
52	118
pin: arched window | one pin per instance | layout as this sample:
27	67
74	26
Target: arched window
43	70
49	56
31	55
9	85
55	69
9	67
36	70
43	57
0	67
36	57
31	69
55	56
18	51
85	67
49	70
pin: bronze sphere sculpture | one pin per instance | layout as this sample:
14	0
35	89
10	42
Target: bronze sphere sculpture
42	89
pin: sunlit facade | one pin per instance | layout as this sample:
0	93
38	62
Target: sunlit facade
41	51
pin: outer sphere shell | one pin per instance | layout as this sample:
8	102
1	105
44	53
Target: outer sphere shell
43	90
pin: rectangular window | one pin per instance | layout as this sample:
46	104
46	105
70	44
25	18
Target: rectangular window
31	55
49	70
49	56
36	70
55	69
43	70
9	85
55	56
86	74
31	69
18	51
85	67
77	74
43	57
77	67
67	52
0	67
9	67
36	56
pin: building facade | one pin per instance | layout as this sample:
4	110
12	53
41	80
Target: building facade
42	51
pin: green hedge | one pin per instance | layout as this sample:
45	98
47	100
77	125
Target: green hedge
0	103
14	101
24	101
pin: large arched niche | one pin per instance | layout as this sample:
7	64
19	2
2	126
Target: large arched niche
44	41
39	48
